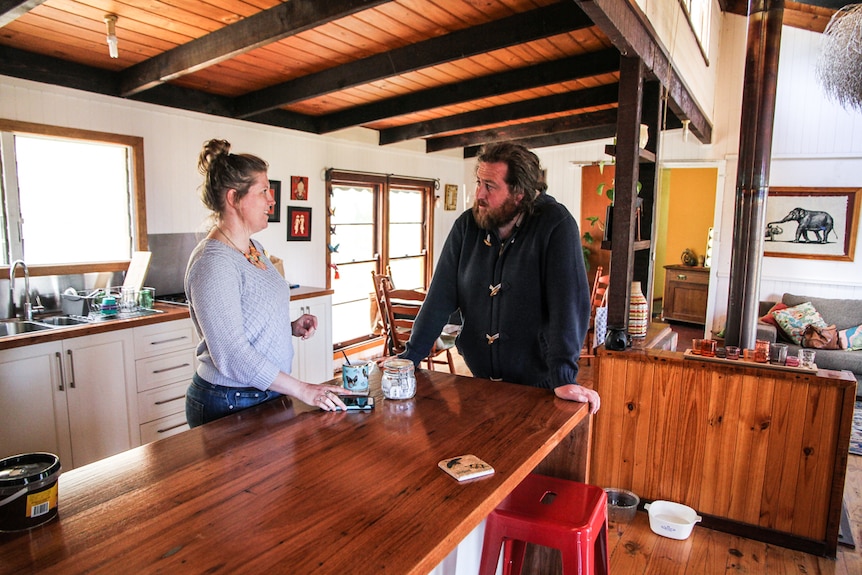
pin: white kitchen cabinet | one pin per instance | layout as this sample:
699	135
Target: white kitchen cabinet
72	398
164	366
312	358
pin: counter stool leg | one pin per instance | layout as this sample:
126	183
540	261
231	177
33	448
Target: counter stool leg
513	556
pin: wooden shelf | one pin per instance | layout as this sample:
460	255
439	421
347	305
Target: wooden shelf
641	245
645	155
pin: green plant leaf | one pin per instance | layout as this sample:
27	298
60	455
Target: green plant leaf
610	194
600	188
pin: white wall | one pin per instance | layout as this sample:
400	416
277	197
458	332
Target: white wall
173	139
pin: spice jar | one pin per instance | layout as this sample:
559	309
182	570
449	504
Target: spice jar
398	380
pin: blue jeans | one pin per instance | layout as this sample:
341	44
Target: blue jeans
206	402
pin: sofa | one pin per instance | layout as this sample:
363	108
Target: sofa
843	313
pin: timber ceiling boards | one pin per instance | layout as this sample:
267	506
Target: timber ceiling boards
454	72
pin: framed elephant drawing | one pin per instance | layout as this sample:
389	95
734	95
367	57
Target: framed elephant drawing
814	223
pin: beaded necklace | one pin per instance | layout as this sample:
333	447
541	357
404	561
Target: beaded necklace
252	255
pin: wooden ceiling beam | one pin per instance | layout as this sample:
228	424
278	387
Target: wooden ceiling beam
520	131
562	70
526	27
629	30
279	22
11	10
589	97
558	139
53	71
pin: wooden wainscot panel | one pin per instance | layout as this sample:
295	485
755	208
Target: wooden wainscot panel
757	451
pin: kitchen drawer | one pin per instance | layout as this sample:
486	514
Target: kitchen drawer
164	337
164	427
162	401
164	369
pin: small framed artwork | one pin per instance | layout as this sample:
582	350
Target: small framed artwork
298	224
298	188
812	223
451	201
275	192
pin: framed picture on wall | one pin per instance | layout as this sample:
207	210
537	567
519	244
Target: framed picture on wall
298	188
298	224
451	200
812	223
275	192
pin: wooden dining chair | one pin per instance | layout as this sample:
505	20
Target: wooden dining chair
398	309
598	298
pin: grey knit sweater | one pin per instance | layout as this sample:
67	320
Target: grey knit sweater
242	315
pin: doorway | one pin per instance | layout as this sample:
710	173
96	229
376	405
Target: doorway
686	213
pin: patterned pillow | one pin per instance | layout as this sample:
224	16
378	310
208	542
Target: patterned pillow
793	320
767	317
851	338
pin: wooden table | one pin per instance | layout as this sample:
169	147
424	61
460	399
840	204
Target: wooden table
273	488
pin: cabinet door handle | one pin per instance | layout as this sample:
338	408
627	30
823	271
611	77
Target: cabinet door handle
168	340
71	368
62	385
165	430
681	277
164	401
171	368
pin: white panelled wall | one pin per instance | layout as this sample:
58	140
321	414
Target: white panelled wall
173	139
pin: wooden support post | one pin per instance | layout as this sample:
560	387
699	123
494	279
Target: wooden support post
625	195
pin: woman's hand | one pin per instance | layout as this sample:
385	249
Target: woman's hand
323	396
575	392
305	326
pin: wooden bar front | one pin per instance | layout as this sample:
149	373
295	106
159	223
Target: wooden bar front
274	490
758	452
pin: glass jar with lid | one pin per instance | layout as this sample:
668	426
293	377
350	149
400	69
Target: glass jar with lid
398	380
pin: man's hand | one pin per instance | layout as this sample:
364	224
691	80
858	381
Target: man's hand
579	393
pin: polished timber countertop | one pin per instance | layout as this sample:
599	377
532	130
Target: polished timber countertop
293	489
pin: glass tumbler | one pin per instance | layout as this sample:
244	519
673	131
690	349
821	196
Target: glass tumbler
128	299
761	351
806	358
146	297
707	347
778	353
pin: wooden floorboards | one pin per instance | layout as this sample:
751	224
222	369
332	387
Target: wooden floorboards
636	550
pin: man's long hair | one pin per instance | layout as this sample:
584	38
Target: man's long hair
524	172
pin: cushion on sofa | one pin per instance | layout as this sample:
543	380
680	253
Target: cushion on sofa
768	318
851	338
843	313
793	320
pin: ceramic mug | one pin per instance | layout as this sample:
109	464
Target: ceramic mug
355	376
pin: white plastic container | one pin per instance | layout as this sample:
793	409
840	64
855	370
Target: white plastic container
670	519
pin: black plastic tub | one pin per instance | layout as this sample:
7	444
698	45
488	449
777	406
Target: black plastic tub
28	490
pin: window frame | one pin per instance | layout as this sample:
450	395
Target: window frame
135	144
382	184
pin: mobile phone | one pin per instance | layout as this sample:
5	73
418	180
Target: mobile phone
357	402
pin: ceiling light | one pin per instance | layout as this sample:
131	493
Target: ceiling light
111	23
685	124
839	67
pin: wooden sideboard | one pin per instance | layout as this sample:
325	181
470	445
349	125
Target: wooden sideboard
686	290
758	451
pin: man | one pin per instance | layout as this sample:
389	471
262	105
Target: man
513	265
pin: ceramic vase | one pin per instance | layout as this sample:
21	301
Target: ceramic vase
638	312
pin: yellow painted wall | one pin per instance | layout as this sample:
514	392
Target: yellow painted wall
686	212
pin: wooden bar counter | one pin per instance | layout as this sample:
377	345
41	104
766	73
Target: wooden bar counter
279	489
757	450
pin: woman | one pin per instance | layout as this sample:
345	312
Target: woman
239	303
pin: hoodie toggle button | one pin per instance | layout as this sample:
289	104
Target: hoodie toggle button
495	289
492	338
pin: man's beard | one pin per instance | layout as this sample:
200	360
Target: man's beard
492	219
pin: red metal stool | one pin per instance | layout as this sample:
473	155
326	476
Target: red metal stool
565	515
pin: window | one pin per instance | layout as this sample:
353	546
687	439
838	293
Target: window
699	13
376	223
71	198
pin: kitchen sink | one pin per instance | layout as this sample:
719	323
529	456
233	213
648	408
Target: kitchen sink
8	328
62	320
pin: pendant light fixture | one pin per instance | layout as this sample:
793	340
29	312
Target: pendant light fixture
839	67
111	24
